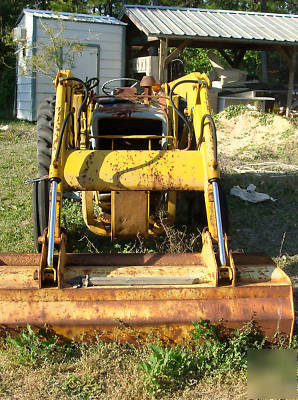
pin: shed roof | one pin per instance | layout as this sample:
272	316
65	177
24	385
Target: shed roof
91	18
205	24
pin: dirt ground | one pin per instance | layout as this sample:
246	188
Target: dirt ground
262	149
252	135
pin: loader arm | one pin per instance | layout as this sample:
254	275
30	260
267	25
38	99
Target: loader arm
129	154
194	89
149	171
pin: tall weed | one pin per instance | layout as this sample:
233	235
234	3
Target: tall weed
167	367
211	355
32	349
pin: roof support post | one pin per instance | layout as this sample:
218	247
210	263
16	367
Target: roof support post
292	63
163	52
290	55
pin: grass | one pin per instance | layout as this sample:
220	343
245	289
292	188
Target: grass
259	148
18	163
34	366
210	356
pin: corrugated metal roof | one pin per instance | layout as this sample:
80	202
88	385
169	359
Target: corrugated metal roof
217	24
92	18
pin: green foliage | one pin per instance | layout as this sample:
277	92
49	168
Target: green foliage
195	60
33	348
76	6
167	367
234	110
85	389
56	51
8	14
252	64
216	353
113	7
288	133
287	7
212	356
227	353
7	90
264	118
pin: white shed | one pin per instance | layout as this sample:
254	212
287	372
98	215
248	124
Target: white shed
102	56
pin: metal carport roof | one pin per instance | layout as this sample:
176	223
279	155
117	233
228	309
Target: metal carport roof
205	24
222	29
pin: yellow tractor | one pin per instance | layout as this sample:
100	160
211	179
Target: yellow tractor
128	153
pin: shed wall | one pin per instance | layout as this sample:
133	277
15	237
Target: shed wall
103	56
24	83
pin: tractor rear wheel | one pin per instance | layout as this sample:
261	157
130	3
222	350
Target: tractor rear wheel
44	134
40	195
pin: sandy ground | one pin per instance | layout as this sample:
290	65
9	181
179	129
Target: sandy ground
248	134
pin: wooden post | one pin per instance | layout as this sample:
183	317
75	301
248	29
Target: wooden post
292	63
163	52
264	66
290	55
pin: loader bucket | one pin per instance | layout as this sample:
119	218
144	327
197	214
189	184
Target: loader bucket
128	296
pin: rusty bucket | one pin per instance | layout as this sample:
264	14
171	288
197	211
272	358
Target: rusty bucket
129	295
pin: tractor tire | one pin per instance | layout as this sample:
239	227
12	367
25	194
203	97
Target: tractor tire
40	195
45	126
191	209
40	209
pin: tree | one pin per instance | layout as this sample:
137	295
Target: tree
287	7
9	13
56	51
76	6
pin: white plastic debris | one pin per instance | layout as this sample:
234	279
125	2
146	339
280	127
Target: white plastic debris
252	107
250	194
4	127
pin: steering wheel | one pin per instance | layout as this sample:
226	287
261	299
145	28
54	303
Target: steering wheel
109	90
92	83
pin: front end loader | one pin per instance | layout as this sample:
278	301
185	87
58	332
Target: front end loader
128	153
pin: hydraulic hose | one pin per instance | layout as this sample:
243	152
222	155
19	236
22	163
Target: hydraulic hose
182	116
68	115
214	136
84	100
92	83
